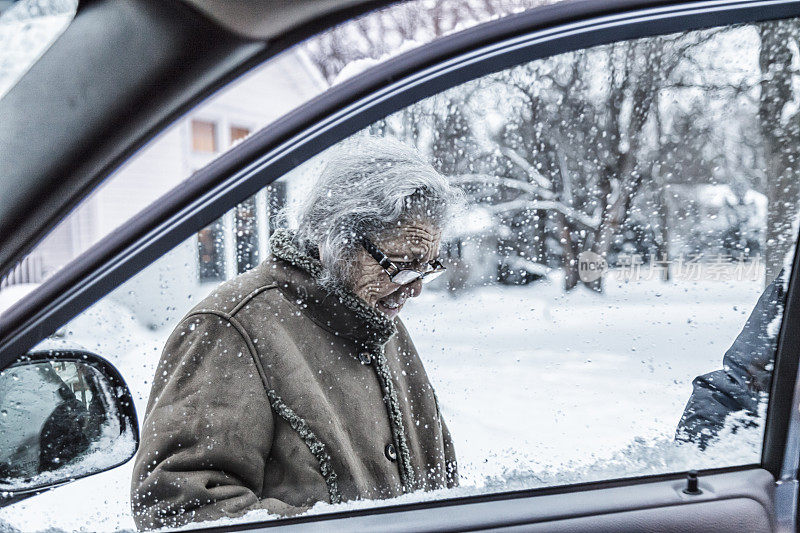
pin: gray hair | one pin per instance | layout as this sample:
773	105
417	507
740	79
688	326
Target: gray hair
368	187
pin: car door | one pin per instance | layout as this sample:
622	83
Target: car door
602	263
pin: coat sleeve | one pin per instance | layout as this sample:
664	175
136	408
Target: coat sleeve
745	375
207	433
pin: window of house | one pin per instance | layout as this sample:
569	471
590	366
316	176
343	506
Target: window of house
204	136
238	133
234	243
246	232
211	252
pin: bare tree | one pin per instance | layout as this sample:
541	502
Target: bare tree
387	31
780	129
590	140
586	139
571	155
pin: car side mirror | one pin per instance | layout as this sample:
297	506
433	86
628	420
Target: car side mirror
64	415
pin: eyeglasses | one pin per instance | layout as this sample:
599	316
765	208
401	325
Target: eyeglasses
402	273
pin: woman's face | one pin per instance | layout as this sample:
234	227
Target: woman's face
414	242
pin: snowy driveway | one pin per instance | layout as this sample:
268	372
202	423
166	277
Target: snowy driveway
536	386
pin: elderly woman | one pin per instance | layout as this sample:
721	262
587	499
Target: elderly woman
296	382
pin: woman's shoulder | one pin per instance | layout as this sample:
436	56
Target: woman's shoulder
230	297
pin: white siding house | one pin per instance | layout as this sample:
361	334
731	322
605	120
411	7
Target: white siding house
227	247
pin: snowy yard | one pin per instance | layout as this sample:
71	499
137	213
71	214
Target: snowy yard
537	387
532	380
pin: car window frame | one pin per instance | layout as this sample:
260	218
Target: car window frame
353	105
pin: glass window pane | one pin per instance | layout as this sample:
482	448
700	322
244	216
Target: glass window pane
610	306
246	236
210	244
204	136
237	133
27	29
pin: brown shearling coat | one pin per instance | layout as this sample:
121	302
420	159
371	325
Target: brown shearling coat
275	394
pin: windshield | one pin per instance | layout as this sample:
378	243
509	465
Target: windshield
27	28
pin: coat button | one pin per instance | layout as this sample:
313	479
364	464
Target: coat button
365	358
390	452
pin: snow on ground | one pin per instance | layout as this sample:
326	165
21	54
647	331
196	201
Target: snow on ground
534	376
538	387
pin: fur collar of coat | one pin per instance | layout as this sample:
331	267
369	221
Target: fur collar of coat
339	310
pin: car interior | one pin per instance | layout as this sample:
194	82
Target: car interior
124	72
